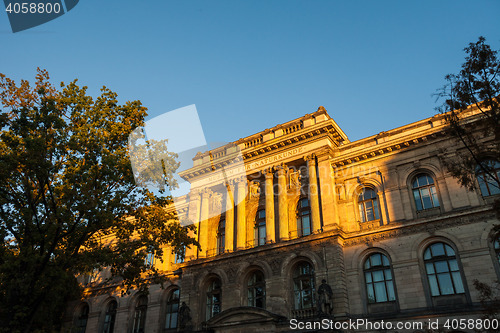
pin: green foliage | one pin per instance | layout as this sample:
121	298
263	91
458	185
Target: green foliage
69	203
477	85
490	301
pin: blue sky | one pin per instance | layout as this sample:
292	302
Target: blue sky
249	65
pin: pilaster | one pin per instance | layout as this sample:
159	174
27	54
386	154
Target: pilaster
283	202
205	197
241	212
270	228
229	245
327	190
194	216
313	193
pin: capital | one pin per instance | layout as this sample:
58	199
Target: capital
282	169
242	180
269	173
229	184
194	194
323	155
206	193
281	166
310	159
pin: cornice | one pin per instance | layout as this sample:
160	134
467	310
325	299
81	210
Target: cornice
429	225
290	134
377	150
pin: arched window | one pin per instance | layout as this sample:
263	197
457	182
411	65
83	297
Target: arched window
256	288
141	308
172	309
83	317
488	177
260	228
424	192
110	317
378	279
303	286
303	217
368	205
213	298
221	237
442	270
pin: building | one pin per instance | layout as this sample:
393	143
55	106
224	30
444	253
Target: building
308	226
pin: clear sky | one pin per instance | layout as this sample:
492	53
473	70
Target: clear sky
250	65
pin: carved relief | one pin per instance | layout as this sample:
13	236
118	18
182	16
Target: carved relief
254	190
216	204
275	264
231	272
294	181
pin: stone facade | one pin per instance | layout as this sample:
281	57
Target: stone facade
380	220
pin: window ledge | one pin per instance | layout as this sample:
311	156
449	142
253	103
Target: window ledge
429	212
449	301
370	224
491	198
384	307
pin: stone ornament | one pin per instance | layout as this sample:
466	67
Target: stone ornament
325	298
295	179
184	316
254	190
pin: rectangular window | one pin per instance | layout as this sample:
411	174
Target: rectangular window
390	291
418	202
433	284
435	199
426	198
445	284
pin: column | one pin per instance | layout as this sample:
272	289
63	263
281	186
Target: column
205	197
229	245
270	230
328	196
282	202
241	212
313	193
194	217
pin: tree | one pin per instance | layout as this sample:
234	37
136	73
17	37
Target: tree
490	302
475	87
69	203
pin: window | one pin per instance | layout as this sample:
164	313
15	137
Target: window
91	277
424	192
303	217
303	286
149	261
110	317
179	257
256	288
221	237
141	308
213	298
442	270
378	279
81	321
260	228
172	309
368	205
488	177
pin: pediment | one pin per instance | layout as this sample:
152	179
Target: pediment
243	315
